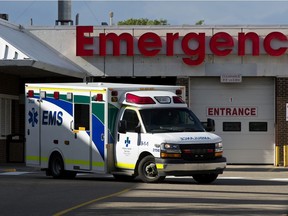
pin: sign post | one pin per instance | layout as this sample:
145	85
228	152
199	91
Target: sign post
286	111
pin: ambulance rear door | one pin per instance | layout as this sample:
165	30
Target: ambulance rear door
32	128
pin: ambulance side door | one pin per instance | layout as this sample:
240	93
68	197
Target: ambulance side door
79	153
127	145
32	125
98	135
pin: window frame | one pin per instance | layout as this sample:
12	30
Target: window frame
77	121
230	122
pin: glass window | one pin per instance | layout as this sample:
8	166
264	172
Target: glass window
231	126
258	126
81	116
132	120
165	120
5	116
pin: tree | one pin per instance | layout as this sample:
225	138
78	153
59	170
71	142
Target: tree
200	22
143	21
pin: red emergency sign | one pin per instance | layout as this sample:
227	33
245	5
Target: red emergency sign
151	44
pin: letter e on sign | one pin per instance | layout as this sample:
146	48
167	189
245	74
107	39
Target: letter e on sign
82	40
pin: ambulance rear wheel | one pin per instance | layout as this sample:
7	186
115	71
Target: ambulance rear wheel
147	170
57	166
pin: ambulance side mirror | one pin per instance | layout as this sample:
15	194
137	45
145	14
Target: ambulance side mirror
122	126
210	127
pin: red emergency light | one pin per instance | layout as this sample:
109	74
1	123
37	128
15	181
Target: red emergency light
177	99
130	98
98	97
56	95
30	93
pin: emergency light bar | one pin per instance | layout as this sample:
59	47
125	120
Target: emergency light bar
177	99
163	99
130	98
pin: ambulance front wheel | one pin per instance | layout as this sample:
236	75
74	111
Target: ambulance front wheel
147	170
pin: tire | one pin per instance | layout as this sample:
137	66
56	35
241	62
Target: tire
123	177
56	167
147	170
205	178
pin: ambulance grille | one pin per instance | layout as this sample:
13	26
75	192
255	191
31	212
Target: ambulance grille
195	152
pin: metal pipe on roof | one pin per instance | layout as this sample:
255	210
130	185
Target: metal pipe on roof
64	12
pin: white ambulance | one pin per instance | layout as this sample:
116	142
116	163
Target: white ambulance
127	130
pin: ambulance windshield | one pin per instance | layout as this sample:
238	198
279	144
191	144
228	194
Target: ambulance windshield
163	120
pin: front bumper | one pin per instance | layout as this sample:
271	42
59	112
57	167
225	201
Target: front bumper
179	167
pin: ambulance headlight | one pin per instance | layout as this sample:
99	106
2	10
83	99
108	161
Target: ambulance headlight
170	150
218	149
170	147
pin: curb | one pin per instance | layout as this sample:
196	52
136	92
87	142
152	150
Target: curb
8	170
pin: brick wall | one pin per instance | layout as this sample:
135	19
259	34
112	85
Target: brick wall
281	123
184	82
2	151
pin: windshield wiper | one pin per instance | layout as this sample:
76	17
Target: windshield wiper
172	129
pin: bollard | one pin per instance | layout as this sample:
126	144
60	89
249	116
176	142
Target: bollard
277	156
285	149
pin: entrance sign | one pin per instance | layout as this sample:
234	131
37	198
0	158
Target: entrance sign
225	78
232	111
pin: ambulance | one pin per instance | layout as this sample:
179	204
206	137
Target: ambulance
126	130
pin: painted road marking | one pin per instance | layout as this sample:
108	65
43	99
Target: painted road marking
17	173
92	201
14	173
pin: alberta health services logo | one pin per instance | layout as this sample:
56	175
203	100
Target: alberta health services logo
126	150
33	117
127	142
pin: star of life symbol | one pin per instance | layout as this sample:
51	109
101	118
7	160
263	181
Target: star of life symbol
127	142
33	117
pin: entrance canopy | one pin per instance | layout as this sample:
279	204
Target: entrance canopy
21	50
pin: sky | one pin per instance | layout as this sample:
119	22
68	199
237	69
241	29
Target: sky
188	12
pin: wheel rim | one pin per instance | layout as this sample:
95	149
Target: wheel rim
150	170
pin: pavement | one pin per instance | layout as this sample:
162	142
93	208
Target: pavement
21	167
16	167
